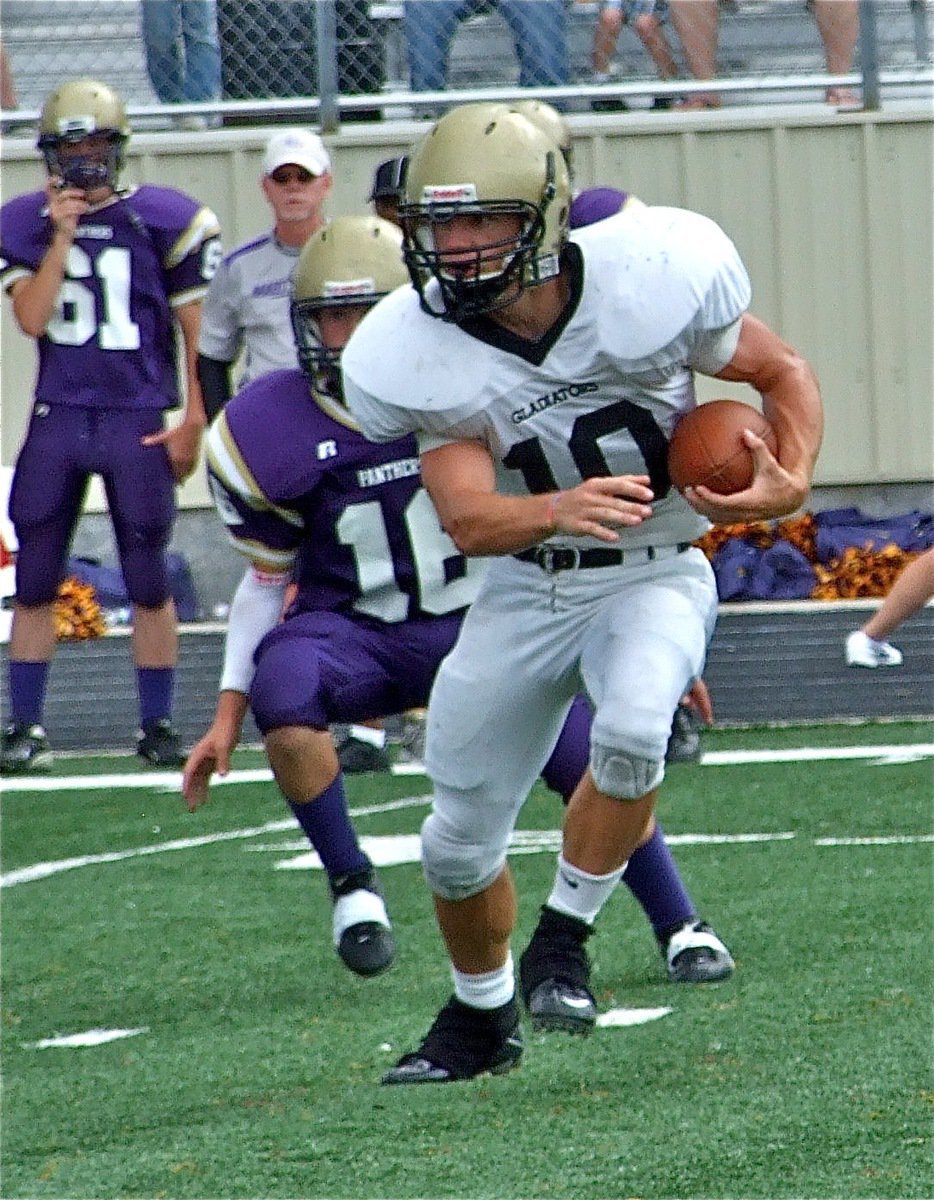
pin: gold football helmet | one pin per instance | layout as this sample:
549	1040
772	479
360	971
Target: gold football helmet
484	160
351	263
76	110
547	118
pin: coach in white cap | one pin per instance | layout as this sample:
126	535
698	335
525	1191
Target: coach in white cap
246	310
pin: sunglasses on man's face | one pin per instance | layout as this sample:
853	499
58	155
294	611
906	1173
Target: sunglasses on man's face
284	175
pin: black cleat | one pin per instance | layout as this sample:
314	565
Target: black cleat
357	757
362	932
24	750
557	1004
684	740
159	744
554	975
694	954
462	1043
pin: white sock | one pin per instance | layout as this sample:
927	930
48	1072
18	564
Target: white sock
366	733
492	990
578	894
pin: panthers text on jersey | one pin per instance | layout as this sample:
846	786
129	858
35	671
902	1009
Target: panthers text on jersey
135	257
300	489
655	293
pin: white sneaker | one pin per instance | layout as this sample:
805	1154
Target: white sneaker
863	651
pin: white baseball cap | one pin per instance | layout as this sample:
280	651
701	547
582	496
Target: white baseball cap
298	146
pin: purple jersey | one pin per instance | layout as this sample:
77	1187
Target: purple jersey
301	490
111	340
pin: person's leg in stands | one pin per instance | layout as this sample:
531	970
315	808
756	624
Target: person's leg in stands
697	23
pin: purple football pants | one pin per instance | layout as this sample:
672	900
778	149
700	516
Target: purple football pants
65	445
319	669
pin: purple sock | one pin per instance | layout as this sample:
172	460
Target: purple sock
653	878
327	826
156	687
27	691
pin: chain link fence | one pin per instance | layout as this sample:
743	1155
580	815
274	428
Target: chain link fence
367	59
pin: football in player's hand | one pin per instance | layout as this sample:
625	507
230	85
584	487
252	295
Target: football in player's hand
707	446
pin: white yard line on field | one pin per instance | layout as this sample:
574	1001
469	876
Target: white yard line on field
171	781
400	849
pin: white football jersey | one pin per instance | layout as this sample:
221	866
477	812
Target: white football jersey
656	293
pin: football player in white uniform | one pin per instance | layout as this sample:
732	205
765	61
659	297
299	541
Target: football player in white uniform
543	376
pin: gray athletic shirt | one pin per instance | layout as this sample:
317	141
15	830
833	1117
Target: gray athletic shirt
247	309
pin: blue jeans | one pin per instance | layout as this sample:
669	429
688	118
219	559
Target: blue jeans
182	51
539	33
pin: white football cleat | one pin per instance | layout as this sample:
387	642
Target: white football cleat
694	954
863	651
362	930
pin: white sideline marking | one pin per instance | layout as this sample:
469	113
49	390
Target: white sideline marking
395	850
171	781
617	1017
886	754
91	1037
894	840
44	870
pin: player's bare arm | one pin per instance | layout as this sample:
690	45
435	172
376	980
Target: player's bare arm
461	481
211	754
34	299
791	401
183	441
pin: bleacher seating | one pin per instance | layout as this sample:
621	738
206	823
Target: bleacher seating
49	40
757	37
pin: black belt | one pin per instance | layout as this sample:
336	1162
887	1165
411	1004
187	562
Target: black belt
566	558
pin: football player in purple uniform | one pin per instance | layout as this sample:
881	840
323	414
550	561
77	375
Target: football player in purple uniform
381	595
543	375
101	276
381	589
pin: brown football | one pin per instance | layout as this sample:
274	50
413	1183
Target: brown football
707	446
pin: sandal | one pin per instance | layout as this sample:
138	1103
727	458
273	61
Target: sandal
843	97
697	103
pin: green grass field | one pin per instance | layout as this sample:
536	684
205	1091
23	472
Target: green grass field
256	1070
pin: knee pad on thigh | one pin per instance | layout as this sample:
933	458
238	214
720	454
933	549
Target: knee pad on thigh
286	688
454	869
146	577
36	583
40	562
623	775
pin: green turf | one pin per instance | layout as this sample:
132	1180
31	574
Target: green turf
807	1074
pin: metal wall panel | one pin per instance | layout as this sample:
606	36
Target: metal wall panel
767	664
831	212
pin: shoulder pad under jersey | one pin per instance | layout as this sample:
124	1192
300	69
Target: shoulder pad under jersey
651	272
420	373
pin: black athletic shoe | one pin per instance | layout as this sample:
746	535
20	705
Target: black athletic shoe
694	954
357	757
366	945
554	975
24	750
684	740
462	1043
159	744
